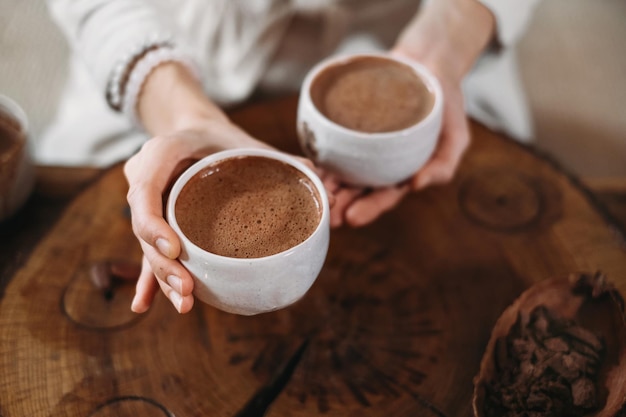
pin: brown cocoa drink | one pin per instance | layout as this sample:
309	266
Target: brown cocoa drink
248	207
372	95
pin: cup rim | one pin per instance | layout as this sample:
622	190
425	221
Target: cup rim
15	110
182	180
424	73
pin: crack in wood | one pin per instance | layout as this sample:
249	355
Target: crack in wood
132	398
370	344
264	397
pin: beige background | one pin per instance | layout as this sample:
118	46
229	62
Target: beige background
573	64
574	68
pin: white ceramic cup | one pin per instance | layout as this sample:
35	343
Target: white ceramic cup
17	171
368	159
250	286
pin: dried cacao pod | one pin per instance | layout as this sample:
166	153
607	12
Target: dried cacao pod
587	299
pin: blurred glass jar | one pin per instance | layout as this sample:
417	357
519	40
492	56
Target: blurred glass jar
17	171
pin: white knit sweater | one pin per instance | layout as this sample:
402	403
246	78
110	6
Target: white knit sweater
247	45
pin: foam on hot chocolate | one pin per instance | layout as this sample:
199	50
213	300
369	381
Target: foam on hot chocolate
248	207
372	94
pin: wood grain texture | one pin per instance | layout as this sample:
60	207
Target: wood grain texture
396	324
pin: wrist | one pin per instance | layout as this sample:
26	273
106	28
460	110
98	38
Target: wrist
448	36
172	99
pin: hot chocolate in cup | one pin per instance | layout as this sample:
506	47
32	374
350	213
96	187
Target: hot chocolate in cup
254	229
371	119
17	172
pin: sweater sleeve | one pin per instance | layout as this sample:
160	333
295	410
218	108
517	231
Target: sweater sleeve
512	18
101	32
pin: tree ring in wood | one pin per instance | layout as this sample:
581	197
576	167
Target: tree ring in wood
370	321
97	299
501	200
131	407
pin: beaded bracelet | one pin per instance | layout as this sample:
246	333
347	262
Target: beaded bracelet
115	87
142	69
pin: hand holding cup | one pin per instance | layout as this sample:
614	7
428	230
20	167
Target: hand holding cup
372	120
253	226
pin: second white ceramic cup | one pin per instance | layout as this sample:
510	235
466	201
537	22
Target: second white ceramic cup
368	159
250	286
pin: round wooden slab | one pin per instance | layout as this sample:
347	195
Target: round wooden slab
395	325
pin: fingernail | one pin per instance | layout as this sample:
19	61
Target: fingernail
134	307
175	282
356	220
164	246
176	299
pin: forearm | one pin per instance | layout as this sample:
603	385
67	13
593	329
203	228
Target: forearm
172	99
449	34
512	18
